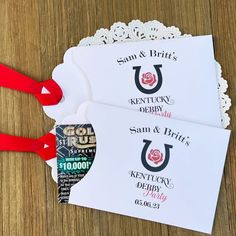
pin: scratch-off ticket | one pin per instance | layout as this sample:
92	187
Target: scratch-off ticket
76	149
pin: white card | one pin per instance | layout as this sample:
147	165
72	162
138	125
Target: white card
153	168
173	78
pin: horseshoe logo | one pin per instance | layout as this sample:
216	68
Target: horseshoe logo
140	87
144	160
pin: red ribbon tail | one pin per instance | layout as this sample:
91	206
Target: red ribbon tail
12	79
45	146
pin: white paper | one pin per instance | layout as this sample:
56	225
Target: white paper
187	188
188	90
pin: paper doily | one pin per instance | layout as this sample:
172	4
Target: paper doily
137	30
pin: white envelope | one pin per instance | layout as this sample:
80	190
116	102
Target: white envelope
153	168
173	78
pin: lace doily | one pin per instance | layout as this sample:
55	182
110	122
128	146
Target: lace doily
137	30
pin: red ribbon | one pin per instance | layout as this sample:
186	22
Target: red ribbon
12	79
45	146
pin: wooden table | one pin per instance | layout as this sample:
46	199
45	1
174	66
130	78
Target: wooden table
33	38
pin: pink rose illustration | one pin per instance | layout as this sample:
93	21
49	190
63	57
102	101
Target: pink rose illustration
155	156
148	78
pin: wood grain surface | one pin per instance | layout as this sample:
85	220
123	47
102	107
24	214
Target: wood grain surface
33	38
